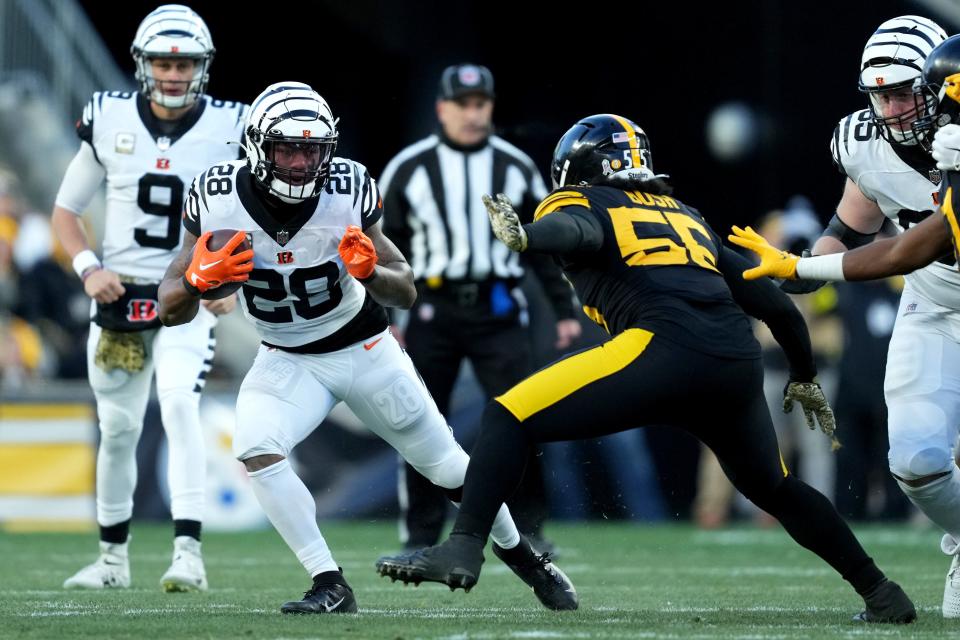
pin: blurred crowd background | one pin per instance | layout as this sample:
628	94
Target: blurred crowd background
739	100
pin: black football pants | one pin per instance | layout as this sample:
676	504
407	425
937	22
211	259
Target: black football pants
637	379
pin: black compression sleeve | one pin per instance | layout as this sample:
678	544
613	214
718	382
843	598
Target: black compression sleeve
566	230
763	300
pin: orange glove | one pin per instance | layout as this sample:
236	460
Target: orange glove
358	253
209	269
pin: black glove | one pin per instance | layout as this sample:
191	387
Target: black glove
801	286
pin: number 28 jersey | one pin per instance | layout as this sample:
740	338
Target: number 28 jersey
147	168
905	183
299	295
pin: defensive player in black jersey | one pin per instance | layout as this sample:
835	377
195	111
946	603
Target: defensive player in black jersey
652	272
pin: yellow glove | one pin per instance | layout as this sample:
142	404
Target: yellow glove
774	262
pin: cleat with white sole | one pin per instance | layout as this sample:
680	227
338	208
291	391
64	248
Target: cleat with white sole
110	571
186	572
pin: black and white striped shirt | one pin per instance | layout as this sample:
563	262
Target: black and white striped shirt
434	214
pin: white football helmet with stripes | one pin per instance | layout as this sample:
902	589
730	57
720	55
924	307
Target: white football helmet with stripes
173	31
892	61
295	115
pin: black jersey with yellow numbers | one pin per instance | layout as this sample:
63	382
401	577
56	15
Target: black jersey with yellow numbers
656	269
950	207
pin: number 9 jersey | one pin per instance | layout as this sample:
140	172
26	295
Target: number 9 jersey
147	163
299	295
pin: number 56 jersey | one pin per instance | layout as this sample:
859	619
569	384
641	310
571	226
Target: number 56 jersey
148	164
299	295
658	268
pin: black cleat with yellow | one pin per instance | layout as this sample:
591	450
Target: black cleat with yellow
887	603
551	585
330	593
456	563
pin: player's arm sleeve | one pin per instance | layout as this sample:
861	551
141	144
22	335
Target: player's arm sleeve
81	180
569	230
193	207
371	203
835	143
763	300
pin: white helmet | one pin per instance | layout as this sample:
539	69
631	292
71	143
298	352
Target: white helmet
293	113
173	31
893	59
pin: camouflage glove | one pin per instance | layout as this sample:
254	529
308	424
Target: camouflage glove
814	403
505	222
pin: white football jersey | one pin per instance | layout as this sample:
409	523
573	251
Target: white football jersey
148	170
904	185
299	292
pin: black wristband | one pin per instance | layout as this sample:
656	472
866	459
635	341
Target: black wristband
368	279
192	290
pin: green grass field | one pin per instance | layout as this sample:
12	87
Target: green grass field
634	582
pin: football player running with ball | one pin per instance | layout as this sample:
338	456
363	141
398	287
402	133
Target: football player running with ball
147	145
315	285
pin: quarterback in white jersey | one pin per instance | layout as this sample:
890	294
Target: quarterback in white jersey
313	284
884	153
147	145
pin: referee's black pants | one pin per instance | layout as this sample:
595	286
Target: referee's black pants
444	329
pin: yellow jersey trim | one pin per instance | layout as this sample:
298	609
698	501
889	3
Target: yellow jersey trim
558	200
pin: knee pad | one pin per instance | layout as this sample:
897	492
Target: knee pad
449	472
117	423
180	410
913	463
919	440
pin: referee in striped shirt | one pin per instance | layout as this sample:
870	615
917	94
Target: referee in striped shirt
469	304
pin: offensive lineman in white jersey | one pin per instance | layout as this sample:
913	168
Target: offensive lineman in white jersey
891	176
147	146
314	283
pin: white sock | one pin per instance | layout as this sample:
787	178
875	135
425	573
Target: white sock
504	531
939	501
293	512
187	462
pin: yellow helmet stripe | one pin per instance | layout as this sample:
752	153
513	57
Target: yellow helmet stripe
632	140
952	87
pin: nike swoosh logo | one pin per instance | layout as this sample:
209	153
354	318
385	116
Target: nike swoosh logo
331	607
112	564
372	344
204	267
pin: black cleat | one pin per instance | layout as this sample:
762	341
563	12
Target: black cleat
551	585
887	603
456	563
323	598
